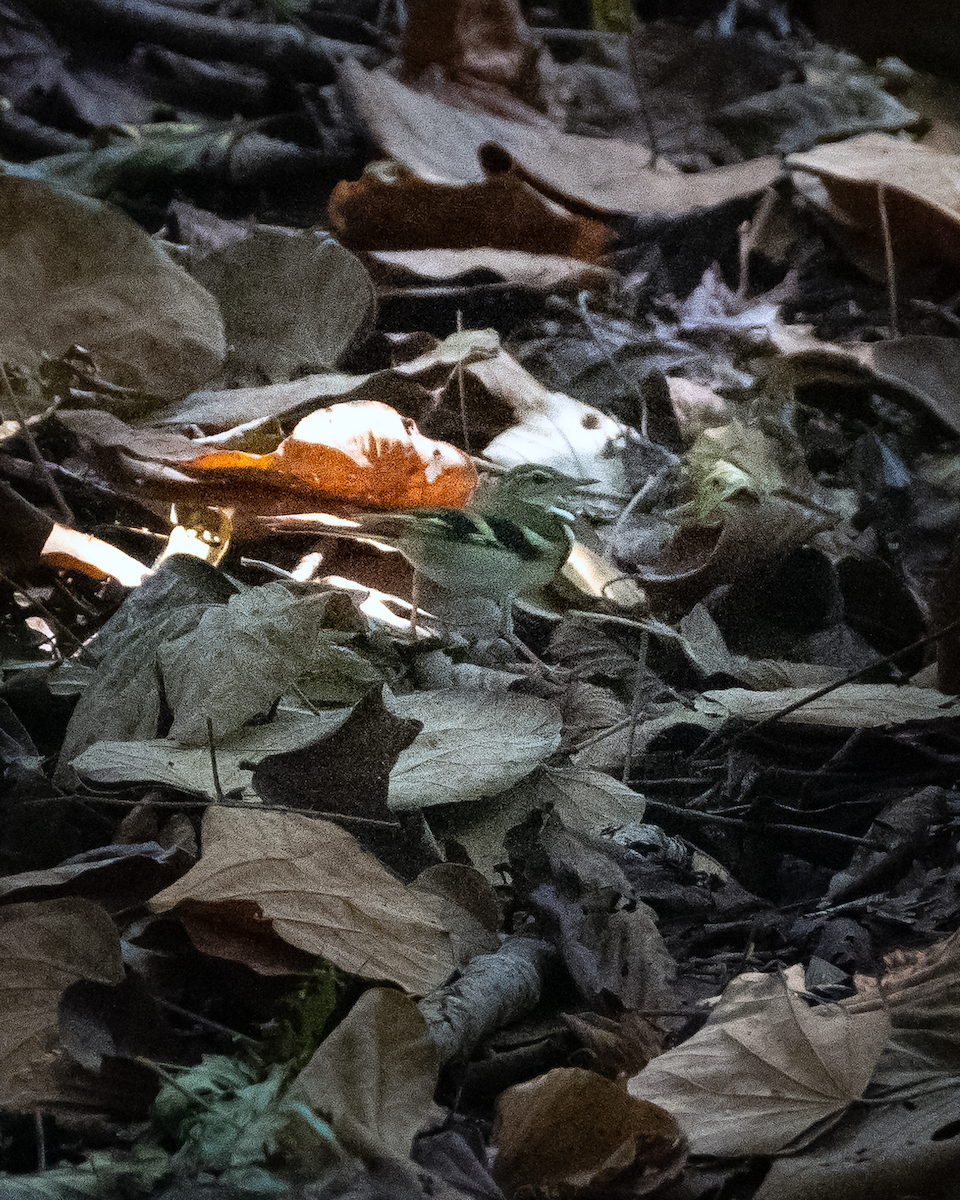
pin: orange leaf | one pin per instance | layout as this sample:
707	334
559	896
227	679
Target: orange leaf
391	208
363	451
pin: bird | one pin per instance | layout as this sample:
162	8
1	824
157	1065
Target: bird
511	540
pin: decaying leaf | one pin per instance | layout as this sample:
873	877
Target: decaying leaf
608	938
362	451
292	301
573	1133
391	208
74	270
321	891
475	56
43	948
765	1068
443	144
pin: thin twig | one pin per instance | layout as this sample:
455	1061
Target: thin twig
888	258
221	798
636	704
207	801
696	814
57	626
640	88
41	1139
630	384
461	389
207	1023
62	506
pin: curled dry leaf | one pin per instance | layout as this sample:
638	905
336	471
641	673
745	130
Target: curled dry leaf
474	54
544	272
363	451
443	144
44	948
391	208
920	194
573	1133
323	893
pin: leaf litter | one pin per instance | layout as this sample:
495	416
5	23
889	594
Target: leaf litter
311	886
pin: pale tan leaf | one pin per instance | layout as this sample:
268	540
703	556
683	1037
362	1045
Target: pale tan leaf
857	705
765	1068
44	948
441	143
473	744
552	428
549	272
189	768
588	801
323	893
374	1077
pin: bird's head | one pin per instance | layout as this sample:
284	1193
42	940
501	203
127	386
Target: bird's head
541	486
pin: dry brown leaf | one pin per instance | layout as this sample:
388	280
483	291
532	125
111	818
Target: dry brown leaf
921	195
765	1068
925	368
374	1077
608	937
474	54
856	705
391	208
898	1151
920	991
442	144
575	1134
323	893
74	270
44	948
